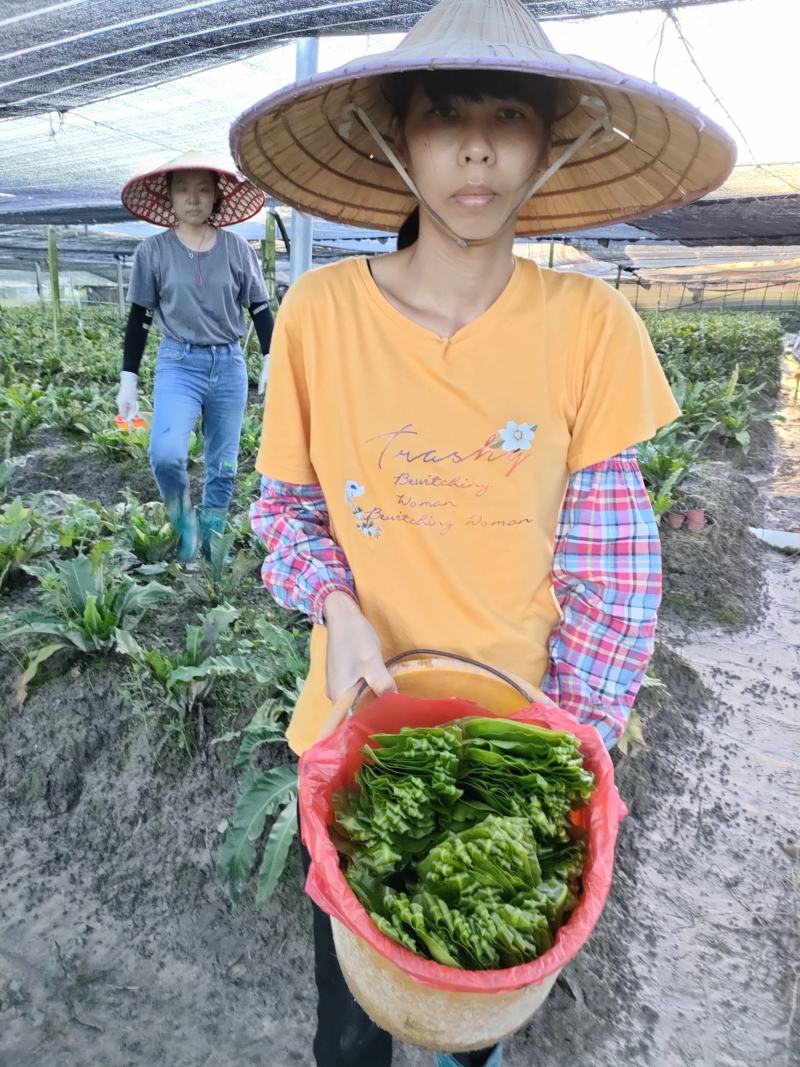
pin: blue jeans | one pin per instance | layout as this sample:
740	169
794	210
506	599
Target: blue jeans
191	380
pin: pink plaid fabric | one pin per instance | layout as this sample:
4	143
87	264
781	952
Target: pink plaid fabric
606	576
304	563
607	580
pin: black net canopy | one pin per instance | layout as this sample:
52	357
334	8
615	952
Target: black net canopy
59	55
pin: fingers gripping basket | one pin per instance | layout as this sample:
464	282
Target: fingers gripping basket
415	999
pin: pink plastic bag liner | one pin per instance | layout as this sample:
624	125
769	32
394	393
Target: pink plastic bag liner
332	763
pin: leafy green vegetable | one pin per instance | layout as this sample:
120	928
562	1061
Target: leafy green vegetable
478	903
409	781
460	839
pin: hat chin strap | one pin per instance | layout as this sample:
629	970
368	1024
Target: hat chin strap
593	103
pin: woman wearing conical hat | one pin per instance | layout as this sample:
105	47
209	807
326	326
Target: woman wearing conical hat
449	446
196	278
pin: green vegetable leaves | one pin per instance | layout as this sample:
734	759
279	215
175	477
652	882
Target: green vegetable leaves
263	792
409	782
460	840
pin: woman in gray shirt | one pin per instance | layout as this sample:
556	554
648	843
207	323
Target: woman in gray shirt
196	278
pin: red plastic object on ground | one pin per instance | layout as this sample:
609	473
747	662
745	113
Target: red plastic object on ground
332	763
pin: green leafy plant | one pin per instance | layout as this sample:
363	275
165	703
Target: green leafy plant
76	409
223	574
263	795
151	539
23	407
84	606
250	438
459	839
717	408
244	537
145	529
133	443
247	490
118	444
88	350
286	653
664	462
790	320
194	448
82	524
24	535
7	468
187	677
664	499
709	346
261	730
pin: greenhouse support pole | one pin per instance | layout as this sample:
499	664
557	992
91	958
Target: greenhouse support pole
619	275
120	288
300	258
55	291
268	259
552	253
39	289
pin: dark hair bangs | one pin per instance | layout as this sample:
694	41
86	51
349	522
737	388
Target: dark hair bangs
443	87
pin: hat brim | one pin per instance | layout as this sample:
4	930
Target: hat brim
146	196
300	147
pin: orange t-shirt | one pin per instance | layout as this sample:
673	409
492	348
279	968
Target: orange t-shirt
444	461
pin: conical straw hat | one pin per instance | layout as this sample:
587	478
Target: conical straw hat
304	146
146	195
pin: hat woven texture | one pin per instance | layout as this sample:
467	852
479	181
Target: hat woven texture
304	146
146	196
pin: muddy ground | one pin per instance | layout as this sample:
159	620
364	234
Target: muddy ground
118	947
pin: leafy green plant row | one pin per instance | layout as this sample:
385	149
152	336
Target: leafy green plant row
710	346
26	407
91	608
722	369
89	349
61	524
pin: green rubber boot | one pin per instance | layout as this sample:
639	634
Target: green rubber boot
210	521
184	521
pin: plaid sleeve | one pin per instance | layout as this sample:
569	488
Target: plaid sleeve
304	564
607	580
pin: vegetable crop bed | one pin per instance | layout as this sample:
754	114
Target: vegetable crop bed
147	811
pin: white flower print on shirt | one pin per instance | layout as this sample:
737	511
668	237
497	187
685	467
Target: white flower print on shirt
516	436
352	491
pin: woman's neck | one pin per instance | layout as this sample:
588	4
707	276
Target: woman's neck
198	238
444	287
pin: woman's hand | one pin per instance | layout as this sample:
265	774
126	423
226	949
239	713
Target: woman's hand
354	650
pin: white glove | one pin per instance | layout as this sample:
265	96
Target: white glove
128	395
262	381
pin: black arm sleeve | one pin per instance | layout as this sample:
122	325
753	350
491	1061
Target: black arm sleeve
136	332
263	322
